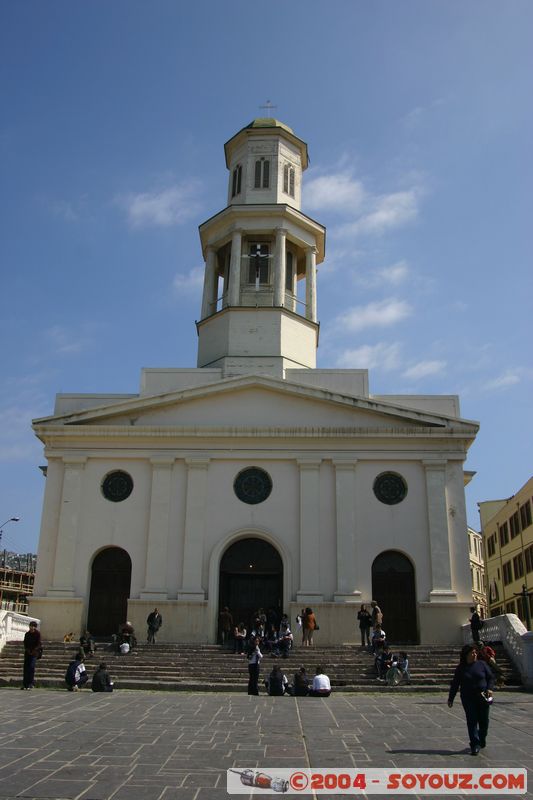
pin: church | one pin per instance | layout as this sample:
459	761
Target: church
255	479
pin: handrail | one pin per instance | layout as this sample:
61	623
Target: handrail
516	639
13	626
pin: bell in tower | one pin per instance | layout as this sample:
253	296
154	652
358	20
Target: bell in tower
261	253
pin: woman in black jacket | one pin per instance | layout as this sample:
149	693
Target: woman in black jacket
475	680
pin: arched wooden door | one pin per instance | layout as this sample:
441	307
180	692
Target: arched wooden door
393	587
110	590
251	577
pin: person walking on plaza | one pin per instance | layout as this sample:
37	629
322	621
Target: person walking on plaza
365	623
32	651
254	664
475	681
154	621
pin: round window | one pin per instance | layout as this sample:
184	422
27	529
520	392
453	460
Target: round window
117	486
252	485
390	488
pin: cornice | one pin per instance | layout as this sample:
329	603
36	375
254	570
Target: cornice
72	431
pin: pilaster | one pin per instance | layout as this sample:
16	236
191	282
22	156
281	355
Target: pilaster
67	537
346	535
441	578
158	531
49	526
193	549
309	591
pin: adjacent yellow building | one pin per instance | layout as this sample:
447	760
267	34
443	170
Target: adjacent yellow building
507	528
477	571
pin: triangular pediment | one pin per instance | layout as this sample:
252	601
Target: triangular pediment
254	401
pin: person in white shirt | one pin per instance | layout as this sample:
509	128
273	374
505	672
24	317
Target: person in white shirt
321	686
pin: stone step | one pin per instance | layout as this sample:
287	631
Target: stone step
196	667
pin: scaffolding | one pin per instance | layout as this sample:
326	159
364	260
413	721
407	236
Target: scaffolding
15	587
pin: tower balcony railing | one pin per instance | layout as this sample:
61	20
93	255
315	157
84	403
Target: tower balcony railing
294	303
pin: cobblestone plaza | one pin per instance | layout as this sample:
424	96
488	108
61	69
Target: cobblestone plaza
178	746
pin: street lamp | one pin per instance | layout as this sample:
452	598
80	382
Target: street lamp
11	519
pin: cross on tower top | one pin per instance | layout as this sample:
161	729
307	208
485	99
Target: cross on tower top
268	106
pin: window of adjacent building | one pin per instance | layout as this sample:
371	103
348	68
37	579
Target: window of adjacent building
494	594
258	264
288	179
528	553
262	174
491	545
518	566
507	573
514	524
504	534
236	181
520	608
525	514
510	607
495	611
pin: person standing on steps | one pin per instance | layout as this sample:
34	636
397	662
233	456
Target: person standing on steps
476	623
377	614
154	622
365	623
32	651
254	664
475	681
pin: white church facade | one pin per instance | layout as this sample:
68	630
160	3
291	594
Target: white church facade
255	479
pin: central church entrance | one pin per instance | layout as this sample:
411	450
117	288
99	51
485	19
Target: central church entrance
393	587
110	589
251	577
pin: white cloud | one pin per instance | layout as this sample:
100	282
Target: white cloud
424	368
379	314
337	192
385	212
393	275
190	281
376	356
509	378
172	206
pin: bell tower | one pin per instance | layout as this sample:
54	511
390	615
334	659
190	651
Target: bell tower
261	253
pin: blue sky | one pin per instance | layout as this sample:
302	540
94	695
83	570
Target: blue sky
418	118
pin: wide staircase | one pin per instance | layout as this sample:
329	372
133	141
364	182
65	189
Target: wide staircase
210	668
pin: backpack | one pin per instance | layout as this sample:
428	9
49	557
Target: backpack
70	674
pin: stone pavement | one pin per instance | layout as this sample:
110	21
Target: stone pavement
177	746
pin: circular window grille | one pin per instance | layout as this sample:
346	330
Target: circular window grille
117	486
252	485
390	488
